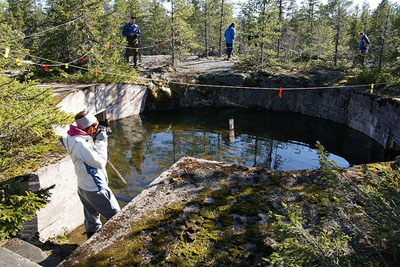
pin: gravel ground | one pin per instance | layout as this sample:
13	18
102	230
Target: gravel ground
190	64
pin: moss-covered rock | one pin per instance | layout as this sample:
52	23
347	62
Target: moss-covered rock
226	220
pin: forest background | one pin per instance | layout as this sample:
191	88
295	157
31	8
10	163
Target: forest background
270	34
78	40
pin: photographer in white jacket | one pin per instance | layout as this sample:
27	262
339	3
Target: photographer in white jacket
86	144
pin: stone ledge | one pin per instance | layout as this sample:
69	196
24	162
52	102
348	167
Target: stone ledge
9	258
182	184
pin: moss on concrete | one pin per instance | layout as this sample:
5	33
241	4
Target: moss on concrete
213	235
227	222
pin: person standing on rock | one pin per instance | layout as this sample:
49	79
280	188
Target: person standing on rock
86	144
229	39
132	33
363	48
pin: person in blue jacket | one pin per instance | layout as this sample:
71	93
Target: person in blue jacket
229	39
363	48
363	43
132	33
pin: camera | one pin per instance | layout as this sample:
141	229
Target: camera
103	128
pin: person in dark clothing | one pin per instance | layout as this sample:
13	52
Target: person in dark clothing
132	33
363	48
229	39
363	43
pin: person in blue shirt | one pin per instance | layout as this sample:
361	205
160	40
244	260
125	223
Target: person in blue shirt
132	33
229	39
363	48
363	44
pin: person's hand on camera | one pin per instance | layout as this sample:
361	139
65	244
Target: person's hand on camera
101	134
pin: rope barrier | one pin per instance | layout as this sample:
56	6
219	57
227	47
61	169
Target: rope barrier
161	44
73	66
46	30
202	85
280	88
49	60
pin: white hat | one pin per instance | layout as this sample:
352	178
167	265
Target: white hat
86	121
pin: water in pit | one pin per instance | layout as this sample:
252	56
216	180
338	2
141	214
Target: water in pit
142	147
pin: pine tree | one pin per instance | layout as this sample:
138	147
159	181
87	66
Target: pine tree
85	42
260	17
354	27
182	34
365	17
11	48
24	15
379	32
155	29
317	33
394	53
338	12
308	15
291	41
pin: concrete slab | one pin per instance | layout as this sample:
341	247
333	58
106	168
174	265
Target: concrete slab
9	258
25	249
63	88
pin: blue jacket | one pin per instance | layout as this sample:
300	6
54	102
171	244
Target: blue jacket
229	35
364	43
130	28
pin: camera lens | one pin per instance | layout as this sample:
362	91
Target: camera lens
107	130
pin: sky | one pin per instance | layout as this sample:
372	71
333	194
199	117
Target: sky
372	3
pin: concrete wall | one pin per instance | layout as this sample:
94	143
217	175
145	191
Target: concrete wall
64	213
118	100
375	116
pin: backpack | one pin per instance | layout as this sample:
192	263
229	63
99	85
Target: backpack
366	41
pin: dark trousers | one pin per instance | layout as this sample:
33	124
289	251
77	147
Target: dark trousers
132	50
360	58
229	49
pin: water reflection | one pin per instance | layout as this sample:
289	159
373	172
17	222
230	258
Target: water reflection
142	147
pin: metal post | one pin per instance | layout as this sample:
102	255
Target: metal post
231	130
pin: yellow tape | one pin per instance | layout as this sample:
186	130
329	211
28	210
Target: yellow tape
372	88
18	63
66	65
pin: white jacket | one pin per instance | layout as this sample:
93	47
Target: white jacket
89	160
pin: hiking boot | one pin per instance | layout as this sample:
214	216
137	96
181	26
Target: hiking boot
89	234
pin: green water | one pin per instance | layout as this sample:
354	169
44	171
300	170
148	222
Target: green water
144	146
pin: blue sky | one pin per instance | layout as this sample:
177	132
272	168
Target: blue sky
372	3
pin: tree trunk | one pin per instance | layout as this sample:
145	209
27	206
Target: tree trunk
220	27
383	41
262	56
311	16
336	46
173	33
337	35
262	37
280	2
206	27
